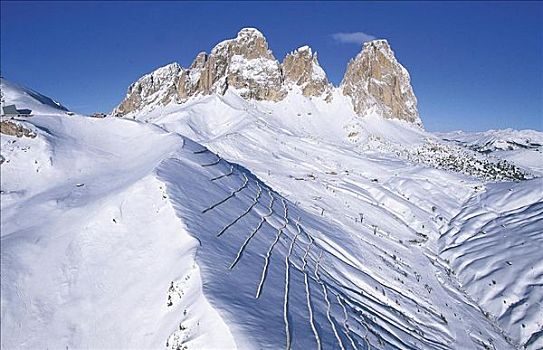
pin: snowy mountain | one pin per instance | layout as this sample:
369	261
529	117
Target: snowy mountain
244	63
246	203
375	81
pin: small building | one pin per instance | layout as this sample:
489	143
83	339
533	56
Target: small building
12	111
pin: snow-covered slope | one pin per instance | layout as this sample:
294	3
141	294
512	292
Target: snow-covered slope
118	238
118	233
331	121
521	147
90	245
22	97
494	247
379	181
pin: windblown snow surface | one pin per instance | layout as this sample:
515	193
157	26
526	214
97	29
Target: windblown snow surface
23	97
222	223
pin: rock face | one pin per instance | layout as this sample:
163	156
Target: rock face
12	128
158	87
302	68
376	82
374	79
244	63
247	64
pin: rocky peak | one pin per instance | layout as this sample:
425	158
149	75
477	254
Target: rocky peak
302	68
246	64
199	62
249	43
196	79
376	82
158	86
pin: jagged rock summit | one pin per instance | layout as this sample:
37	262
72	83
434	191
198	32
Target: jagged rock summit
247	64
302	68
244	63
157	87
374	80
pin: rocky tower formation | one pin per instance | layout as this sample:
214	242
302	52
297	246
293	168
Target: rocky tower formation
156	87
302	68
376	82
244	63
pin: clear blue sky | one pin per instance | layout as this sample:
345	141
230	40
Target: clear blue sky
474	65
